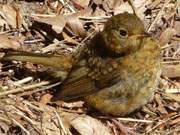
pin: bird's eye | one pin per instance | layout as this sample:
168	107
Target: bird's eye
123	32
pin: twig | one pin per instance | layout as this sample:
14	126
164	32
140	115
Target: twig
42	15
129	119
135	120
24	88
33	106
160	123
4	119
170	58
170	81
40	89
133	8
23	128
124	129
176	52
176	39
171	62
93	17
25	117
66	3
158	16
61	126
167	46
173	91
25	80
26	102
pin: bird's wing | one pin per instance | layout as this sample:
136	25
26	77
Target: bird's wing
79	84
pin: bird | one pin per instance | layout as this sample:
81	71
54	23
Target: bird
116	72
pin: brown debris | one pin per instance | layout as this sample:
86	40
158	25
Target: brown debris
25	93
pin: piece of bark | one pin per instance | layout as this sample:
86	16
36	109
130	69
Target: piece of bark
171	71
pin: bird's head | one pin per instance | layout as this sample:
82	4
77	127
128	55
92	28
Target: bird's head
123	33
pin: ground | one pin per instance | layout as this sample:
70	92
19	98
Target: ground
61	26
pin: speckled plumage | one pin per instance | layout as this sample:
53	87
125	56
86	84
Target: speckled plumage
118	70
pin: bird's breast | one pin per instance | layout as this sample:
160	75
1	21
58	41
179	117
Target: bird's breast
136	77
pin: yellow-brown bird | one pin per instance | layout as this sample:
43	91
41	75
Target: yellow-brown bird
116	73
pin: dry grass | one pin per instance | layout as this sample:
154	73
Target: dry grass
34	26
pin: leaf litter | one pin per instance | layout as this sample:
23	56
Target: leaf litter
25	106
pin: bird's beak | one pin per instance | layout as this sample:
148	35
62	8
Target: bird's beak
140	36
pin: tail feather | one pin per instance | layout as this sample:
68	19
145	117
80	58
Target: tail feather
60	61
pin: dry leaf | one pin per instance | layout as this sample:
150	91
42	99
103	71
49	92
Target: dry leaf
140	6
177	27
12	16
57	22
176	121
87	125
69	39
49	127
3	22
75	104
7	43
83	3
45	99
154	4
175	97
4	128
110	4
160	108
124	7
171	71
74	24
166	35
85	12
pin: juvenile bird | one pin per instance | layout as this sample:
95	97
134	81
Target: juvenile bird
118	70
